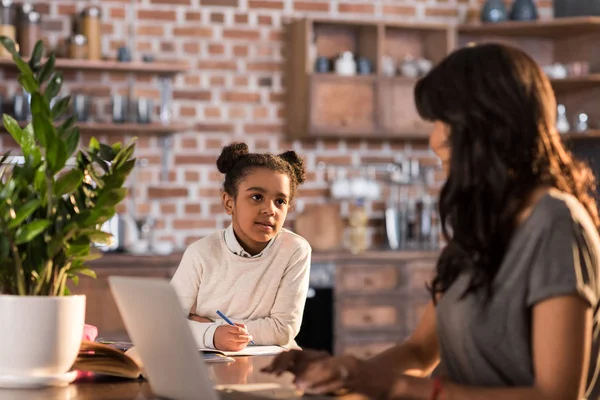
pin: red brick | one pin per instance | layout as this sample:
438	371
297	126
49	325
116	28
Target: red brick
222	128
191	176
192	208
167	47
52	25
343	160
311	6
191	47
276	36
168	208
213	144
217	81
271	5
189	143
151	30
192	80
241	97
172	2
117	13
399	10
265	20
241	18
363	8
209	192
212	112
240	81
194	224
260	113
216	208
166	192
262	128
244	34
215	48
237	112
240	51
192	15
194	159
157	15
193	31
66	9
217	65
201	95
265	66
217	17
220	3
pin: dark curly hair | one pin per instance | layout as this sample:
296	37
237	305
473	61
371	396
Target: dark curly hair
501	113
236	162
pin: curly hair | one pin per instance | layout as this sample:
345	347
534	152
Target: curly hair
501	113
236	162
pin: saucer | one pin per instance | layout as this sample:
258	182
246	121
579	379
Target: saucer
34	382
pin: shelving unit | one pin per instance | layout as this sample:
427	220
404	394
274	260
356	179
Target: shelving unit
326	105
108	128
376	106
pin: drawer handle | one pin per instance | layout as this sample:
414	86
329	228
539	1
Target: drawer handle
367	318
344	121
368	281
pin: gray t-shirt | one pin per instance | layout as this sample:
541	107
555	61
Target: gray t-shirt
554	252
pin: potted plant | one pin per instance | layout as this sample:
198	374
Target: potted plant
52	204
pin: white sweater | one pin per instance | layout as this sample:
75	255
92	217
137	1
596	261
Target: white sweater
267	293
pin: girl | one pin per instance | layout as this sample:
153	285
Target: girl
254	272
514	300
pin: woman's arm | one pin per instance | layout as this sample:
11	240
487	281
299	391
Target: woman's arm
419	353
561	344
283	323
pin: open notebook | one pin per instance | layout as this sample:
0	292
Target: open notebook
105	359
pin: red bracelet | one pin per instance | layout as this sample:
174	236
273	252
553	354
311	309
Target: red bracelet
437	388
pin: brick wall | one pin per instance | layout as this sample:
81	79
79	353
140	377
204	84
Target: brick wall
233	92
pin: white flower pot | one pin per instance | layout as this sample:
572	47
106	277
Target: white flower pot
40	337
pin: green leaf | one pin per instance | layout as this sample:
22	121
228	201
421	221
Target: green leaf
28	232
28	144
68	182
53	87
13	127
107	152
39	182
23	213
111	198
72	141
87	271
47	69
36	55
56	155
39	105
64	128
9	45
94	145
27	80
101	237
43	130
60	107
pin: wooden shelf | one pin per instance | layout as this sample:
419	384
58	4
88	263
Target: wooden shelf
108	128
576	82
589	134
333	77
156	67
552	28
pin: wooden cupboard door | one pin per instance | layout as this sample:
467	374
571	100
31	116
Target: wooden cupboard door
341	106
398	110
368	278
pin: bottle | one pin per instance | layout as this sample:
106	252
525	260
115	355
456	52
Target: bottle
90	24
7	24
30	32
562	122
358	221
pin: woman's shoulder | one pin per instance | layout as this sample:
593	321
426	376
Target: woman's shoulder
557	207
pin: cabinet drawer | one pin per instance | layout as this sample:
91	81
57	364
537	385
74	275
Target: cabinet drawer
367	278
366	317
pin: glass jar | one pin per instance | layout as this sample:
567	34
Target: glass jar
30	32
78	47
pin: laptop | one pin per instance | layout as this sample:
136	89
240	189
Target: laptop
157	326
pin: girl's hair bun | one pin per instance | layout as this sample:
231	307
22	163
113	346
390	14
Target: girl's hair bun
230	155
297	165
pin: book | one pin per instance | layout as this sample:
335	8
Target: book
106	359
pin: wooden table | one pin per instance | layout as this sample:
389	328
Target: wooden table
246	370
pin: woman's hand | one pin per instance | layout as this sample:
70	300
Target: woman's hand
197	318
319	373
231	338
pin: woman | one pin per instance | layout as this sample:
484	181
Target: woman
514	299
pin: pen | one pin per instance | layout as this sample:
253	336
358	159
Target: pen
229	322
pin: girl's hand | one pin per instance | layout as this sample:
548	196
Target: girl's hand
231	338
197	318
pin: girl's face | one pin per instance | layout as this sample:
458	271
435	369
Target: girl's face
260	208
438	141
